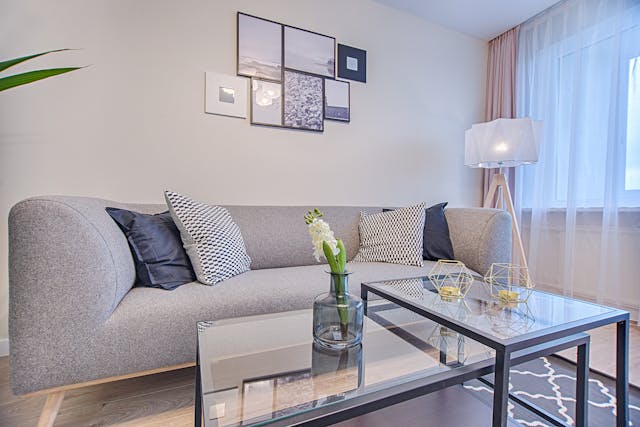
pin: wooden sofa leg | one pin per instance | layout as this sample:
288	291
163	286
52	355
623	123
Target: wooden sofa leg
50	409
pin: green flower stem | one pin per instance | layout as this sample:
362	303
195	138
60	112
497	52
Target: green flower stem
342	304
338	263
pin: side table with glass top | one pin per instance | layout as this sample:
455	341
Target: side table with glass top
510	328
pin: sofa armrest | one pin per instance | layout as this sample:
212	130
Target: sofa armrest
480	236
69	267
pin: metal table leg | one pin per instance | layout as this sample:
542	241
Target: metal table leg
198	400
501	388
364	295
582	385
622	373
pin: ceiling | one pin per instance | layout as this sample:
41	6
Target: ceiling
483	19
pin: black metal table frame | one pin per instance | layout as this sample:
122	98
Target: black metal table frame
391	395
505	350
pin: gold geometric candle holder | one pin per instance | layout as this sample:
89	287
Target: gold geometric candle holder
509	283
452	279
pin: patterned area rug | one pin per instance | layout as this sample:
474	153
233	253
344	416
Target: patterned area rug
550	383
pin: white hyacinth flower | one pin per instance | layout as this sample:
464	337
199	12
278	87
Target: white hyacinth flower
321	232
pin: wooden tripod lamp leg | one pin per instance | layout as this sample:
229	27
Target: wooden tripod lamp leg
500	181
50	409
517	239
489	198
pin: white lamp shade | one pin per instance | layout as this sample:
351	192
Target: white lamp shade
502	143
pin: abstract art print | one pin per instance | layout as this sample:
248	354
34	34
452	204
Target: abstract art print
259	48
352	63
266	103
336	100
225	95
303	101
309	52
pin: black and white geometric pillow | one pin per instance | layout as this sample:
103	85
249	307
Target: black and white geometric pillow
211	238
393	236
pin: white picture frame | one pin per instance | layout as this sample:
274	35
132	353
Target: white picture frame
225	95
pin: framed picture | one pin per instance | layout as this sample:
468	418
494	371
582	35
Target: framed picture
225	95
309	52
266	102
303	101
259	48
336	100
352	63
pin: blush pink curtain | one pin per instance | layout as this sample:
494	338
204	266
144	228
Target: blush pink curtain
500	96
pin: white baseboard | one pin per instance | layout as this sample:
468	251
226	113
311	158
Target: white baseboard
4	347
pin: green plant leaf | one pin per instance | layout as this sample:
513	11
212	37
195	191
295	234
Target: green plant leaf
11	62
31	76
331	258
342	256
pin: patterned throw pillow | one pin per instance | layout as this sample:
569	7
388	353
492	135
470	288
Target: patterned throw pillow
211	238
436	243
394	236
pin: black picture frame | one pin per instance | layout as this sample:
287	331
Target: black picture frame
352	63
259	111
297	112
259	47
308	52
334	109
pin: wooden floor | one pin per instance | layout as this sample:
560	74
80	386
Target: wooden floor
602	355
167	399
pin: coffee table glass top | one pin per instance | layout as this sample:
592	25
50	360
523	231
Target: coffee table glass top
498	320
260	369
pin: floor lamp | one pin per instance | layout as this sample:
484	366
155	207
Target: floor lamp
498	144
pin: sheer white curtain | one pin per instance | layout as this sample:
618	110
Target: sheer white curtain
578	71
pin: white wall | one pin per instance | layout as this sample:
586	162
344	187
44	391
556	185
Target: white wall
132	123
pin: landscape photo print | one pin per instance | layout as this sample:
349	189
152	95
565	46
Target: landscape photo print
336	100
309	52
259	48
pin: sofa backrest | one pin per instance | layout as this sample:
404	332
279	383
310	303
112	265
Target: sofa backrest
276	236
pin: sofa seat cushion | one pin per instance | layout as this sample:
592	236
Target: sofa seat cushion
159	328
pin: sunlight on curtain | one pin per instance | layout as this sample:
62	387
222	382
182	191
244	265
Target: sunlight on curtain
578	71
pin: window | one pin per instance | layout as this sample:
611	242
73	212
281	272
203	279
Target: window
632	169
579	72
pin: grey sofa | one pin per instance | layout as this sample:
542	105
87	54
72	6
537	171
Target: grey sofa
75	317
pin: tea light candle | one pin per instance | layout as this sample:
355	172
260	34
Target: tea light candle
449	291
507	295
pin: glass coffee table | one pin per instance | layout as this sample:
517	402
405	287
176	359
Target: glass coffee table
510	328
266	370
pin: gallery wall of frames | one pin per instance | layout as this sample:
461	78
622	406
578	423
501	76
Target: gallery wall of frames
292	75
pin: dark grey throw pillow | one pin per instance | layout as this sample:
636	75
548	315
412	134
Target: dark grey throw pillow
437	243
156	246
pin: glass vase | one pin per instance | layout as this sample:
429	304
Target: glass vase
338	315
